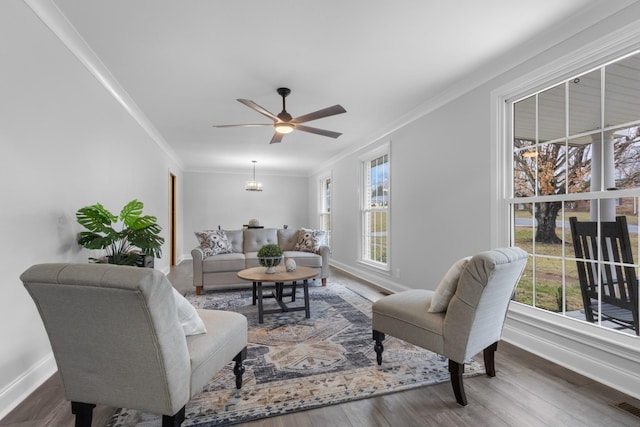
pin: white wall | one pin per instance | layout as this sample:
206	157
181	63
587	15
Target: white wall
219	199
443	195
65	143
439	197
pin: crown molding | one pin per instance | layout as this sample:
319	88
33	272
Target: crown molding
49	13
484	74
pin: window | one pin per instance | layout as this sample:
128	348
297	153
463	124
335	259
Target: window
375	208
575	152
325	207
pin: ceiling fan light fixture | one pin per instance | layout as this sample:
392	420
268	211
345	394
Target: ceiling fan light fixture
284	128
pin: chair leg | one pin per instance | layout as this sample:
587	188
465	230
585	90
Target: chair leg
198	290
489	359
173	420
456	370
83	413
324	281
238	369
379	348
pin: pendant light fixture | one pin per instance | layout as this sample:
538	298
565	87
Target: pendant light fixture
253	185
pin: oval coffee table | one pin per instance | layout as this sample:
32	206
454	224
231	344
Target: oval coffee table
280	278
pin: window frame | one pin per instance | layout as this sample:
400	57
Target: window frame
323	212
614	46
365	165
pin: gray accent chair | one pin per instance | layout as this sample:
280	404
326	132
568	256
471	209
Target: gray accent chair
117	340
472	322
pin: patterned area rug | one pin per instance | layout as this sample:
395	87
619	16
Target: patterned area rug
296	364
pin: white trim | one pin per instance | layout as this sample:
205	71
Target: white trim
18	390
322	178
373	277
607	356
53	18
365	159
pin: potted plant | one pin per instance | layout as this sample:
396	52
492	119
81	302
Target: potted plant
270	256
128	242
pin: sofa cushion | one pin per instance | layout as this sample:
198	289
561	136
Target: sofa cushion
236	239
287	238
251	259
310	240
304	259
255	238
213	242
223	262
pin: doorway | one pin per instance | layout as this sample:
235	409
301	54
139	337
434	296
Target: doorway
172	220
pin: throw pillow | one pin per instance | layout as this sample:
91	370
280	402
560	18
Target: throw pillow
191	323
310	240
447	287
213	242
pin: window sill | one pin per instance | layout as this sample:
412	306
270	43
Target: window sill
378	267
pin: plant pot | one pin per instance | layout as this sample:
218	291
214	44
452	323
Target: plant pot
145	261
270	262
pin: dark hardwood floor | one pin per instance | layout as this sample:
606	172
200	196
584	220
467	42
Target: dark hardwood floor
527	391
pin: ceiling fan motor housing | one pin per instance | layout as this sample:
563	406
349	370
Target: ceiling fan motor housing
284	116
284	91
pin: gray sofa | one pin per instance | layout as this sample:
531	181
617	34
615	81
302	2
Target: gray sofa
222	269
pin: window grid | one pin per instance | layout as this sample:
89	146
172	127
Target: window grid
604	143
325	208
375	211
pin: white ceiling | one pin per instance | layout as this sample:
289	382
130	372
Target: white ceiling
184	64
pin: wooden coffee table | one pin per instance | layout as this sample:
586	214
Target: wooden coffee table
280	279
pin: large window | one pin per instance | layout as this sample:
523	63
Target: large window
325	207
576	153
375	208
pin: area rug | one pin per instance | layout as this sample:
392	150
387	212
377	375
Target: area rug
296	364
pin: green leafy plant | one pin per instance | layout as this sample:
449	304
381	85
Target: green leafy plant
270	255
270	250
123	242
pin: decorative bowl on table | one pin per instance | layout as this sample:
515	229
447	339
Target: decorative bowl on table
270	256
271	262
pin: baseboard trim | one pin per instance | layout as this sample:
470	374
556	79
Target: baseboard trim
18	390
608	357
369	276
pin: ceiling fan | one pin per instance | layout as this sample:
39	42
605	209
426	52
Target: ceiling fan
284	123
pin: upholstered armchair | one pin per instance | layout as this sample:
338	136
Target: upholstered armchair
119	338
465	315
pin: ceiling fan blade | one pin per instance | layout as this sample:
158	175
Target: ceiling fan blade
249	103
246	125
277	137
317	131
325	112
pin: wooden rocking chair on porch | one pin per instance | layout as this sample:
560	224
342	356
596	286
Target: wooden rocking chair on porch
618	283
